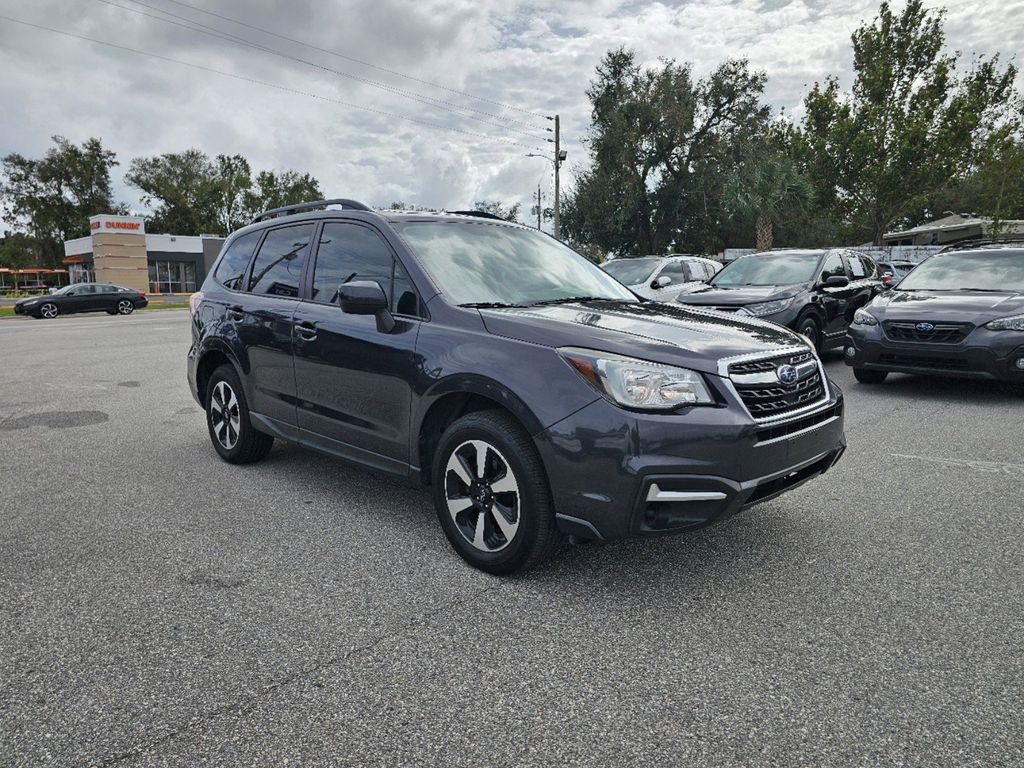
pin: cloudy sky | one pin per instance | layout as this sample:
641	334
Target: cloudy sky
352	125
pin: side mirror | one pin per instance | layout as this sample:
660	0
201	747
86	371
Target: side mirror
366	297
836	281
661	282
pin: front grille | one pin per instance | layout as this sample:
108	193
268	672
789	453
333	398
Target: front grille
774	487
941	333
775	399
760	366
923	361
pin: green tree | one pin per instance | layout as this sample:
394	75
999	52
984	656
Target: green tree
768	187
272	190
909	126
190	194
499	209
51	199
661	146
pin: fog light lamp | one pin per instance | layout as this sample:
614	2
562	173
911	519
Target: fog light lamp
1020	363
851	353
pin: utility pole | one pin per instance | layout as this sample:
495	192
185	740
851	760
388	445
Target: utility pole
558	163
539	209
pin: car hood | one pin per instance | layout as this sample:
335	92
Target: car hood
23	302
948	306
712	295
664	333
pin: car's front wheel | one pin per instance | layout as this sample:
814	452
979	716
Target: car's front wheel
867	376
125	307
492	495
808	326
49	310
227	416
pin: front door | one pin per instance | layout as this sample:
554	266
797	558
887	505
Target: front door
352	380
264	320
834	300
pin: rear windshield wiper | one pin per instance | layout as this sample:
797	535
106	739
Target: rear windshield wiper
492	305
570	300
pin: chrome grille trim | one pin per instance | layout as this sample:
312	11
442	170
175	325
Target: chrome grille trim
774	358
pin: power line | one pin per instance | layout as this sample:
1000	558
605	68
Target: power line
426	100
533	114
508	142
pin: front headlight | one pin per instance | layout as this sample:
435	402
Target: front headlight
767	307
1015	323
863	317
638	384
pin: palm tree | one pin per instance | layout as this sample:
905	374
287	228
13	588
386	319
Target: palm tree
765	190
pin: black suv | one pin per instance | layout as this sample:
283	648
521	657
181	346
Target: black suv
815	293
534	393
959	313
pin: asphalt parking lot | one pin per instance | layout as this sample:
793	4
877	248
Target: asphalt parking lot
160	607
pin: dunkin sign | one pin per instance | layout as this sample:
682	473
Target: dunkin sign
122	225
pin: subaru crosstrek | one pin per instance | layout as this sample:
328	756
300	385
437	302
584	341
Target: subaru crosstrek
531	391
960	313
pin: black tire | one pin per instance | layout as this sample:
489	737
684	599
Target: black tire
807	325
223	422
509	447
47	310
125	307
867	376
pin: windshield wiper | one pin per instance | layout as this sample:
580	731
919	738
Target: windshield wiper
492	305
571	300
987	290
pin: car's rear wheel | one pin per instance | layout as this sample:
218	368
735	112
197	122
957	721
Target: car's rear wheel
808	326
125	307
867	376
49	310
492	495
227	416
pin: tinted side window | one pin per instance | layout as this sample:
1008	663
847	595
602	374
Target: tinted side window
857	268
675	272
278	265
870	269
234	261
350	252
833	267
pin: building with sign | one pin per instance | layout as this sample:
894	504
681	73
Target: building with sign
119	251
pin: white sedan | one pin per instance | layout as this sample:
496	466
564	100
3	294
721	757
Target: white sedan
662	278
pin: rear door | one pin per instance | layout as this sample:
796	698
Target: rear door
264	319
353	380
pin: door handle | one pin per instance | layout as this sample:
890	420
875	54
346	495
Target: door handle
306	331
236	314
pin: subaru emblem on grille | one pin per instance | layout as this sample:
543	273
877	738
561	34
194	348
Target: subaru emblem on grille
924	327
787	374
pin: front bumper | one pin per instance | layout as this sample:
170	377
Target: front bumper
984	354
615	473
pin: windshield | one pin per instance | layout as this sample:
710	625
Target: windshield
1001	271
480	263
631	271
768	269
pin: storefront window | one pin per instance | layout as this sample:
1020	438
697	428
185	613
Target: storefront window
172	277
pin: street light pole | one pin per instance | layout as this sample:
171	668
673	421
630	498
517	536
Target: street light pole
558	163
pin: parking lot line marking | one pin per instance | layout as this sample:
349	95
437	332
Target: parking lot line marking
991	467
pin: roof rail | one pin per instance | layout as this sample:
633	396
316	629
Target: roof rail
287	210
1012	240
478	214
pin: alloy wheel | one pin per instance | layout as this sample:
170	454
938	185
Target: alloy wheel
125	307
49	310
482	495
224	415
